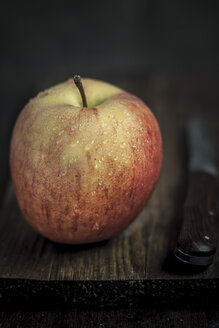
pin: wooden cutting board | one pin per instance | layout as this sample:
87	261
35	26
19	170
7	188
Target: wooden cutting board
134	268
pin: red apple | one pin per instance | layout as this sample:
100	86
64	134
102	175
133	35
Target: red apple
82	174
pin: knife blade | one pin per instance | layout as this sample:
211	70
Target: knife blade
196	244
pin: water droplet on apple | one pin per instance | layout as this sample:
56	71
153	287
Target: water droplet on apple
92	142
115	158
87	147
64	172
95	226
123	145
77	141
61	132
76	208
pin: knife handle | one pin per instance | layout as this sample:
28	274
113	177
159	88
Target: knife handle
196	242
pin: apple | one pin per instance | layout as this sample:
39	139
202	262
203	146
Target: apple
85	157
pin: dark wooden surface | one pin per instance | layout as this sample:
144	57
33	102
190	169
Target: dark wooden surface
134	268
110	318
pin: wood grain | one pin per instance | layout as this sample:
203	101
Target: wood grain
133	268
122	318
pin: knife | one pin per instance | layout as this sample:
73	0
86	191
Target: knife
196	244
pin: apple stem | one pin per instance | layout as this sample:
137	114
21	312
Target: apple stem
79	85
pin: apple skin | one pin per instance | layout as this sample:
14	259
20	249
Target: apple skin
82	175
